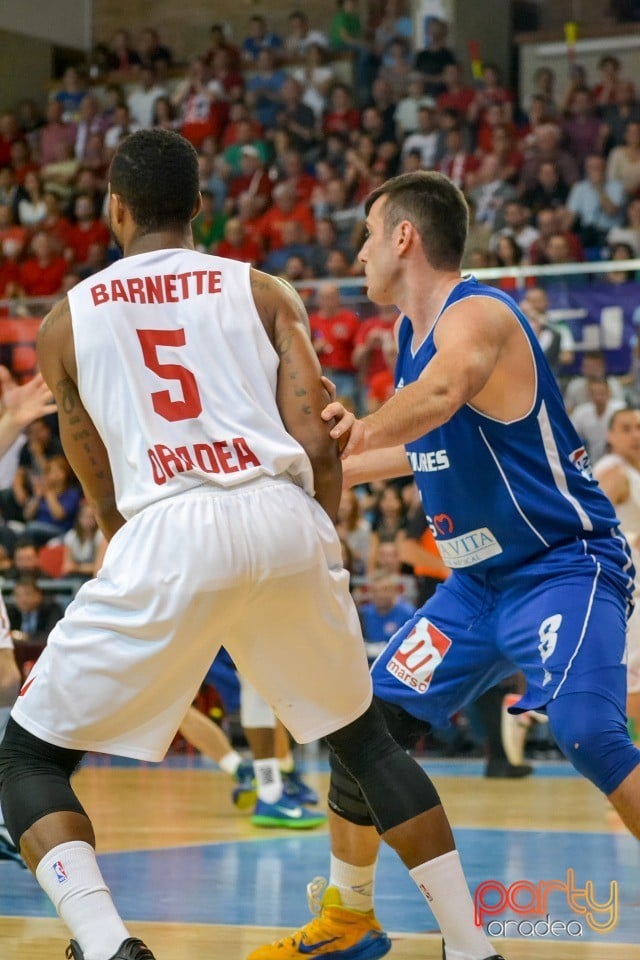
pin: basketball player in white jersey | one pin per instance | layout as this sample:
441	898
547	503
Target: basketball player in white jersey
618	473
189	400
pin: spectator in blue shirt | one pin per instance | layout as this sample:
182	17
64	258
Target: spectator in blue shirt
384	614
259	38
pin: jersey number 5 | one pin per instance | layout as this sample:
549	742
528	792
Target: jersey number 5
190	406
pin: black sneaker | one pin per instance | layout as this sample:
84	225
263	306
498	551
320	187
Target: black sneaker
8	849
494	956
508	771
130	949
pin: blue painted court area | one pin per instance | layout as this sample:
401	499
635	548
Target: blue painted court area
262	881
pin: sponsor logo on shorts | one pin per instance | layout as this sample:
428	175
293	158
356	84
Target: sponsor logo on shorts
417	657
60	872
469	548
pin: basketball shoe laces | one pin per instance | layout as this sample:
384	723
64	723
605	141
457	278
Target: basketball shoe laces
313	931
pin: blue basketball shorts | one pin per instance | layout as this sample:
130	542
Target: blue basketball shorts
560	619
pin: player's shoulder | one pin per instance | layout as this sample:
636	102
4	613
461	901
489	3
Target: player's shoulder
275	298
55	323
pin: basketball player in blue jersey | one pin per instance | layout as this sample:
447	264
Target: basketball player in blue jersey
542	577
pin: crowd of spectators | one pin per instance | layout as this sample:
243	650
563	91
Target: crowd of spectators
292	133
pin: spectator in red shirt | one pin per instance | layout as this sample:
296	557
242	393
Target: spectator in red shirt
21	160
85	231
491	91
237	245
373	342
9	131
605	92
251	179
293	173
334	330
227	76
218	41
456	162
41	275
13	237
9	277
285	207
456	96
250	214
549	222
341	116
54	133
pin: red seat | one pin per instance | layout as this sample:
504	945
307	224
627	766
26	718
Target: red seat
50	558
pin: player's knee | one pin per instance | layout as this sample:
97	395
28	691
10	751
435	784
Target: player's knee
394	786
592	733
34	779
345	796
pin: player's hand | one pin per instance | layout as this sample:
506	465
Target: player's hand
329	386
28	402
347	430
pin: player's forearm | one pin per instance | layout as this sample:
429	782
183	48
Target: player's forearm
327	480
410	413
375	465
107	514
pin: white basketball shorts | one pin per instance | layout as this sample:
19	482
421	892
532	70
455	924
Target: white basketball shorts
257	569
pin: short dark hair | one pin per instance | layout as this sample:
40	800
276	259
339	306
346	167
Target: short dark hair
155	172
29	580
436	208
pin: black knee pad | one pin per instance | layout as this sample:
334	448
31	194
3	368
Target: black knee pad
345	796
34	779
394	786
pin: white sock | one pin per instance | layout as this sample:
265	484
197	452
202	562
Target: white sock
70	876
443	885
354	883
268	780
230	762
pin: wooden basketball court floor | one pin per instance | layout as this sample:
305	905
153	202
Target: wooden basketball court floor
195	879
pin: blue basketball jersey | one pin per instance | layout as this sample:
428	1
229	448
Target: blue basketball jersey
498	494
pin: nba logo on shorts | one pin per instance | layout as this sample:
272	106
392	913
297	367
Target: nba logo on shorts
417	657
60	872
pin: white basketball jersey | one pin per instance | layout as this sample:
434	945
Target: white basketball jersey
179	377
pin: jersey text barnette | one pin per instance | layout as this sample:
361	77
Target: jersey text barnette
162	288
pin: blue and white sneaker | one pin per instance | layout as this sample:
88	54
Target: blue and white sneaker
286	813
244	795
295	787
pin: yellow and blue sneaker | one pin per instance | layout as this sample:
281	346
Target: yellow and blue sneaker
336	932
286	812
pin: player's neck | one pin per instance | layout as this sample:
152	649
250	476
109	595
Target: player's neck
426	296
159	240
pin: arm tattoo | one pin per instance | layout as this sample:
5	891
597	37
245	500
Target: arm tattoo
68	395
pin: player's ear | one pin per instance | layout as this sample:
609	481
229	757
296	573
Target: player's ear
198	206
116	207
405	232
